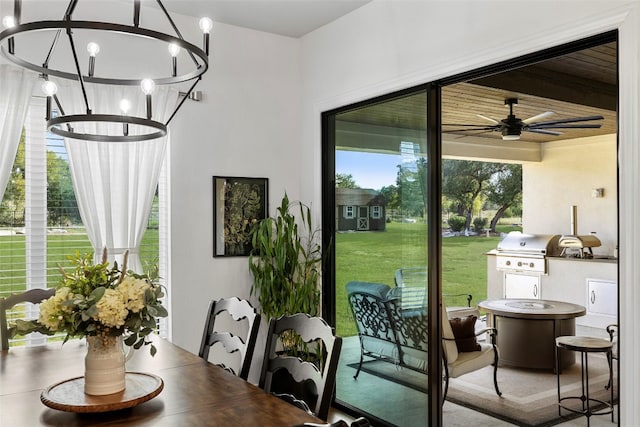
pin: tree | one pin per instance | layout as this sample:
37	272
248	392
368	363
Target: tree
390	194
410	190
62	207
505	191
345	180
12	207
463	181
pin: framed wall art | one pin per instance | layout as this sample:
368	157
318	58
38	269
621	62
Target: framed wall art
238	204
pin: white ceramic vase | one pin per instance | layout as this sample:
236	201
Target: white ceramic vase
105	365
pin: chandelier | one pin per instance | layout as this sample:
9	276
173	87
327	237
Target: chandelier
139	56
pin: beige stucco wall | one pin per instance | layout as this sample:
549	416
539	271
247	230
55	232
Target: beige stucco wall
566	176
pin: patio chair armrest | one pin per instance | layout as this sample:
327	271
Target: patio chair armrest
468	296
612	330
489	330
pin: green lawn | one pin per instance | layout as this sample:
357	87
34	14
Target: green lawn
59	246
375	257
364	256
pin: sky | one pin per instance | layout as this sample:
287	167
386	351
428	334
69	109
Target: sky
369	170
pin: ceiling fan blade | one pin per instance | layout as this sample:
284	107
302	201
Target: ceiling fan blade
485	129
575	119
467	135
567	126
546	132
538	117
494	121
465	125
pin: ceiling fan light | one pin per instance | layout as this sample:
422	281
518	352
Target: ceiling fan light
508	137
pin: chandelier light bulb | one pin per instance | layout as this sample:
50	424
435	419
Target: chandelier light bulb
49	88
125	106
174	49
8	21
147	86
206	24
93	49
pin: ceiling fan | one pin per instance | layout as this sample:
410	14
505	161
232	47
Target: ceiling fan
512	126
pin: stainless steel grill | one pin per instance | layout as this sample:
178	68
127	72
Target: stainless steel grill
526	252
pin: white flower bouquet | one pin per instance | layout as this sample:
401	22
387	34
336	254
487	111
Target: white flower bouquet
96	300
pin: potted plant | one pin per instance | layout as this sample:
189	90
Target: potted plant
286	262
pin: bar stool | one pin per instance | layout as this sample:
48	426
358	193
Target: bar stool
585	345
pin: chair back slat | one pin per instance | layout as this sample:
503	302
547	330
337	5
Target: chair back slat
239	310
312	381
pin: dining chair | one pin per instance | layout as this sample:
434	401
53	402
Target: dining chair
239	310
33	296
309	383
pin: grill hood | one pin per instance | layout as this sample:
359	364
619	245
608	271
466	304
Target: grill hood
519	244
579	242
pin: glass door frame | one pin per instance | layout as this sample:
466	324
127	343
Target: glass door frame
434	230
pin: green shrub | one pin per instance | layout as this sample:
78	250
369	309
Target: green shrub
480	224
457	222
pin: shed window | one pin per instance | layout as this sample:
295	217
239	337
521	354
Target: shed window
349	212
376	212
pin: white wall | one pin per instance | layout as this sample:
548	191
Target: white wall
569	170
248	124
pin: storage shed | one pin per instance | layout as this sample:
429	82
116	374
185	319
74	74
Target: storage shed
360	209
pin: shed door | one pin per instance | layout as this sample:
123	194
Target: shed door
363	217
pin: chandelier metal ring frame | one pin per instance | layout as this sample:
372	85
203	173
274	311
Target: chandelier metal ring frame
62	125
104	26
157	129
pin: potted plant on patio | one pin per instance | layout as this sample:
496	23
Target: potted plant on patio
286	262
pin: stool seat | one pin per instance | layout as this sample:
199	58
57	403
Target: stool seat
584	344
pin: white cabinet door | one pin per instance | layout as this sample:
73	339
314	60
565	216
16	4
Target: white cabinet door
521	286
602	297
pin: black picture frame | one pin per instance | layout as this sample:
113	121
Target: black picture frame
238	204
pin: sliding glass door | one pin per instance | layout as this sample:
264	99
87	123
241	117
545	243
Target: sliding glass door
379	254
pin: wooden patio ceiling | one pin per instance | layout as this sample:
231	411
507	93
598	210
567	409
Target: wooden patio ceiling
579	84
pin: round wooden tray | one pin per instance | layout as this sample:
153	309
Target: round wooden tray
69	395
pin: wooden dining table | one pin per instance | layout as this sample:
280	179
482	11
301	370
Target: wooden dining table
194	391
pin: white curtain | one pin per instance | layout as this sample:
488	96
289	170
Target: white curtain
115	182
16	87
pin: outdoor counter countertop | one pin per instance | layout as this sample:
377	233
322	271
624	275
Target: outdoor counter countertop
596	258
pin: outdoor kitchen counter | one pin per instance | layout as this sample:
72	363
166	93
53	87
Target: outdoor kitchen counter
568	279
527	329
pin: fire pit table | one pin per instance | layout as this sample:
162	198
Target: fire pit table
527	329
